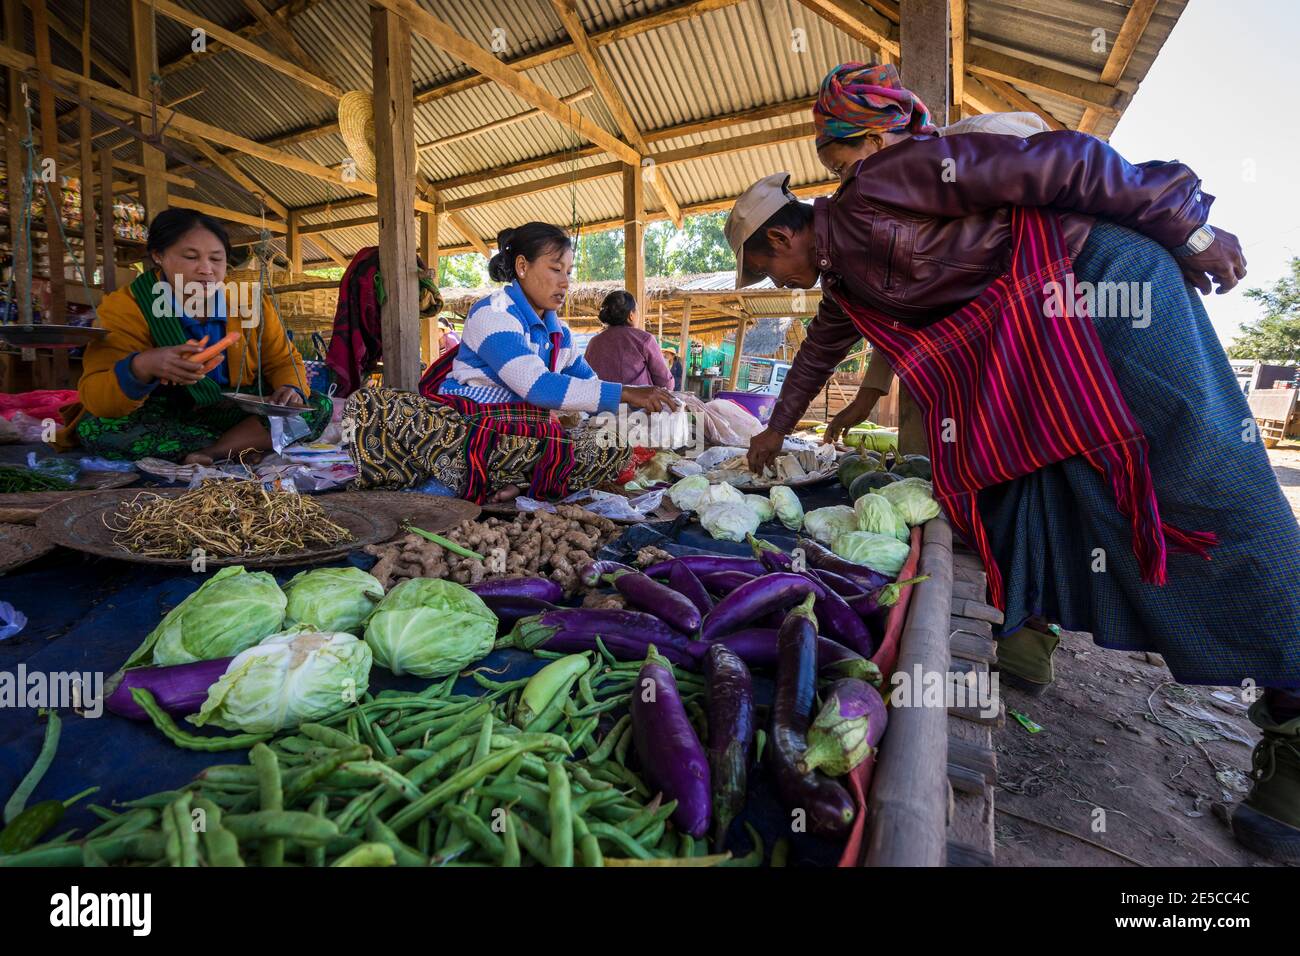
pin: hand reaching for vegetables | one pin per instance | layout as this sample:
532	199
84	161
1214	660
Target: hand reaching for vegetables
855	413
763	449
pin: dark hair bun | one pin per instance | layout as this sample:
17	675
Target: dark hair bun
617	308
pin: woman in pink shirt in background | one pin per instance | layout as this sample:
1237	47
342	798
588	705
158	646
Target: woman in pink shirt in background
622	352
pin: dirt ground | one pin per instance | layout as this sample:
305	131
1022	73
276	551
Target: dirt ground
1126	758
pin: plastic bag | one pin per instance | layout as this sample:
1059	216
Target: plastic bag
287	429
12	620
726	423
714	457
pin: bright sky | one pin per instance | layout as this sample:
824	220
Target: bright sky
1220	98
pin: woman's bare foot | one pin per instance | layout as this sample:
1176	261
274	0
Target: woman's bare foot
508	493
197	458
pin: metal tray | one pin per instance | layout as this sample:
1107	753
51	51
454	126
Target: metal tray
257	405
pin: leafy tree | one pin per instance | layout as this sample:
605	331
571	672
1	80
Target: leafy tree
599	256
466	271
1275	337
700	246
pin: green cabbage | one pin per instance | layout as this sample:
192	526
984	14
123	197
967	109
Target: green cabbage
430	628
287	679
788	506
686	494
729	521
875	514
722	492
230	611
913	498
332	599
761	506
877	551
825	523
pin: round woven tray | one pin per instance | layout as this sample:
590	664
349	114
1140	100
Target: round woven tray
430	512
78	523
24	507
20	543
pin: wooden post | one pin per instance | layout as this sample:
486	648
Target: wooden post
684	338
106	219
16	162
634	238
923	37
89	239
429	223
144	64
51	189
734	377
293	243
909	795
661	325
958	17
390	44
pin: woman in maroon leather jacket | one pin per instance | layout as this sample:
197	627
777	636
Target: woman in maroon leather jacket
1087	433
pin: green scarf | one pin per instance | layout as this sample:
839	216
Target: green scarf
165	330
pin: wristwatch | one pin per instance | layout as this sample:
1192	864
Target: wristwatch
1196	243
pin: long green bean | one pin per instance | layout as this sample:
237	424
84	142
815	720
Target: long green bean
561	816
270	790
163	721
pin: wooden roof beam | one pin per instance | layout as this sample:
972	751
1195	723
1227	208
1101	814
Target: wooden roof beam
247	31
188	124
985	62
859	21
503	123
279	29
227	166
613	100
528	61
445	38
1019	102
1121	51
246	47
73	37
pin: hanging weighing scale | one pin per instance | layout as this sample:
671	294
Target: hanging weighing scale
42	335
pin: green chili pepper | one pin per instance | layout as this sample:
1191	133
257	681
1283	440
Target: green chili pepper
510	857
368	854
561	816
163	721
27	786
601	753
447	543
270	792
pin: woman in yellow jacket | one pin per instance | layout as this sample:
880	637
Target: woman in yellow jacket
143	395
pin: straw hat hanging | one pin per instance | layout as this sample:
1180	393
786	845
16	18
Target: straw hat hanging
357	127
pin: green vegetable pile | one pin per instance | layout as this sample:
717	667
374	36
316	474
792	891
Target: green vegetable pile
420	779
15	479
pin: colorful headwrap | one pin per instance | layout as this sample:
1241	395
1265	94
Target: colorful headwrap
856	99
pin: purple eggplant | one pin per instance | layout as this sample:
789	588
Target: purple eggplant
730	710
510	609
180	689
829	807
672	758
754	599
724	582
756	646
649	595
850	723
593	572
623	647
773	558
685	581
824	559
644	628
540	588
707	564
881	598
840	622
837	583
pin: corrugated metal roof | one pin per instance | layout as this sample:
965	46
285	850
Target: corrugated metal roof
739	57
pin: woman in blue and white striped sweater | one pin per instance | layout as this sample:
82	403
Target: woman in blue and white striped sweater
485	425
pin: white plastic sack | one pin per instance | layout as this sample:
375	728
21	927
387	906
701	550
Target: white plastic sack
726	423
